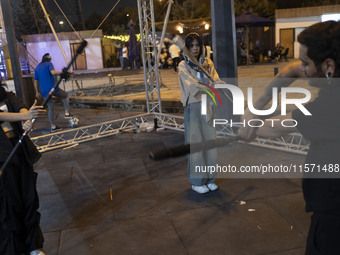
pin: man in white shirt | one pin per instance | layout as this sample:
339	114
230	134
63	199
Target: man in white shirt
174	53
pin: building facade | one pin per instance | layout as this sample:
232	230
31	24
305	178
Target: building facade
91	58
290	23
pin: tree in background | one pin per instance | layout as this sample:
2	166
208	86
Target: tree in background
116	23
94	20
119	29
191	9
122	17
29	18
263	8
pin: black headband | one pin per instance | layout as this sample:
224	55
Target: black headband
47	56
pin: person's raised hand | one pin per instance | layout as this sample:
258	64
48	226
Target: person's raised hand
35	111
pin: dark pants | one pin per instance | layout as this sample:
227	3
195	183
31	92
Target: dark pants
324	235
62	94
132	63
175	62
19	220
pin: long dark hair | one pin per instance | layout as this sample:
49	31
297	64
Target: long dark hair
192	37
46	58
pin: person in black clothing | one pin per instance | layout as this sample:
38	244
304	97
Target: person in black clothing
19	220
320	58
277	53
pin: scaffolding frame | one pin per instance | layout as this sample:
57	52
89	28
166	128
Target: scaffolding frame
73	137
293	142
66	139
149	55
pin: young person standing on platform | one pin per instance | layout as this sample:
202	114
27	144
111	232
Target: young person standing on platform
198	127
20	232
320	58
44	74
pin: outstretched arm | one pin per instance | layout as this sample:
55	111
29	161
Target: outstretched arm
23	114
284	78
54	72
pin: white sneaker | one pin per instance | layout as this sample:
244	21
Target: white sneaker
67	115
212	186
200	189
37	252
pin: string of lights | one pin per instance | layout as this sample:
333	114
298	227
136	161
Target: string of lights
180	27
123	38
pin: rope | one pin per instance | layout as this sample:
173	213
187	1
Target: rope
105	18
67	20
35	17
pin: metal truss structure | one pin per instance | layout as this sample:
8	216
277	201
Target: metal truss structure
66	139
149	55
75	136
293	142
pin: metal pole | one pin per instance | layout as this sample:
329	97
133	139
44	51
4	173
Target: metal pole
2	22
166	19
53	31
12	46
224	47
80	12
149	52
224	38
143	38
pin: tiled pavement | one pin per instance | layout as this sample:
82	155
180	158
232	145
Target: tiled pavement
153	210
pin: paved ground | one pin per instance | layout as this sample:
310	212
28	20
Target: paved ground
154	211
108	197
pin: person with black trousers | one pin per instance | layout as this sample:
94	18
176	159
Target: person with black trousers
320	63
20	232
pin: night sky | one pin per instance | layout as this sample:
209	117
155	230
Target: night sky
104	6
88	6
